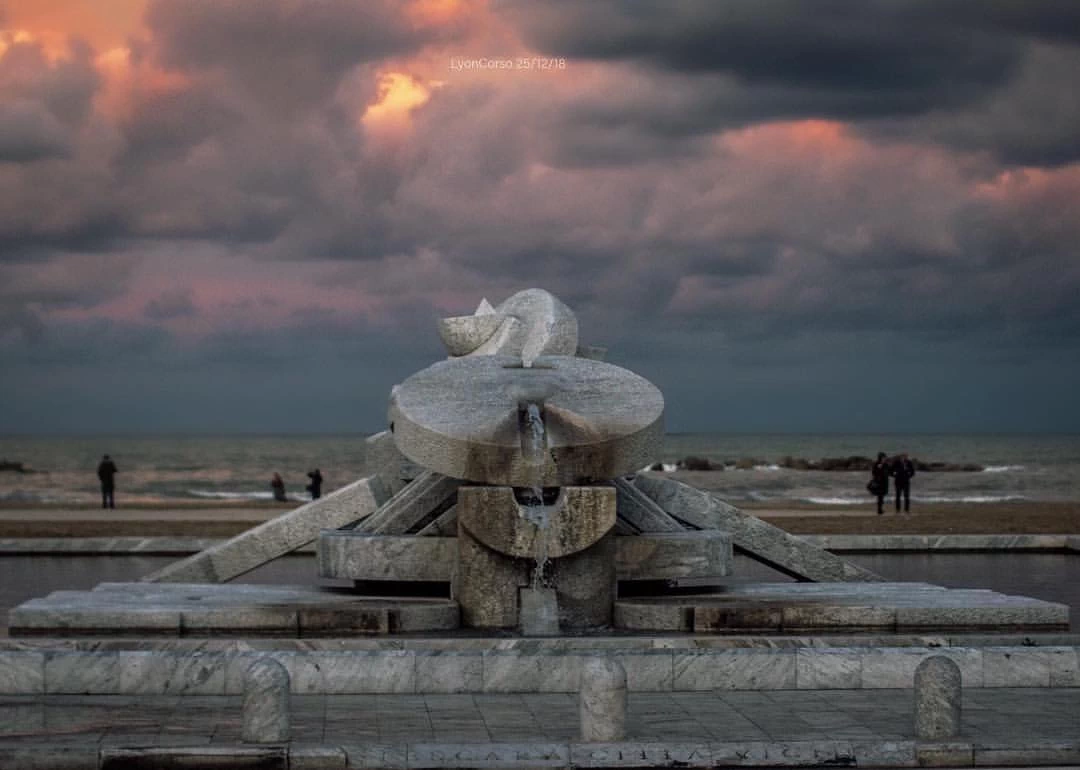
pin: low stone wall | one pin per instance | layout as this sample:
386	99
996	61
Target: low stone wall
427	671
838	543
929	543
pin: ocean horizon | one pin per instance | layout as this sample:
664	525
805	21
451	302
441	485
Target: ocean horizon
190	467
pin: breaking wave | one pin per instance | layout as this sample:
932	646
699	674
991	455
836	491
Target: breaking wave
215	495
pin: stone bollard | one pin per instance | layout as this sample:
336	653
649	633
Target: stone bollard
603	700
937	698
266	702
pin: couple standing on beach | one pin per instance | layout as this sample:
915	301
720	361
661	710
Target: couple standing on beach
277	485
901	469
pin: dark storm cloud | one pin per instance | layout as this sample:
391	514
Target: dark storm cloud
979	76
844	52
29	132
42	104
286	54
50	199
1030	120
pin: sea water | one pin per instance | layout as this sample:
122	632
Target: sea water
185	468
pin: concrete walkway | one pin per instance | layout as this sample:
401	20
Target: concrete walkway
1011	726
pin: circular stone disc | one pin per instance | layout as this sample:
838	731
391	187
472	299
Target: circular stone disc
462	418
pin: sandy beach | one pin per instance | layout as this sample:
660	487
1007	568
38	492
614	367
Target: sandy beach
216	520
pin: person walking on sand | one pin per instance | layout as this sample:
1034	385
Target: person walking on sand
315	487
106	470
277	484
902	470
879	481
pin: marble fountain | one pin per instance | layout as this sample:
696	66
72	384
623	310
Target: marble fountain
504	535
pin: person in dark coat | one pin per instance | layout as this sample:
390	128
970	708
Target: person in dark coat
879	481
277	485
315	487
902	471
106	470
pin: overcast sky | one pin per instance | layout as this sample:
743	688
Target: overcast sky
246	215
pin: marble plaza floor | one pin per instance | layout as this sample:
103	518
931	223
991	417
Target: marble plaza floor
1020	719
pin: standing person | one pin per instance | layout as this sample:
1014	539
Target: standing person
902	471
106	470
315	487
879	481
277	484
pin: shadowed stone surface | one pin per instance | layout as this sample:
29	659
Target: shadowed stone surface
585	586
486	584
937	698
764	542
603	700
885	607
641	512
577	520
385	460
276	537
461	418
265	709
429	492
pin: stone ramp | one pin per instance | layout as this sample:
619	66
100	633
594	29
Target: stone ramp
839	607
276	537
763	542
198	609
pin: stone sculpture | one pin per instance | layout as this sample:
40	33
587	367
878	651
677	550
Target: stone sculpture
507	496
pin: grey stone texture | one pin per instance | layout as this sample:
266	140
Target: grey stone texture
351	555
671	555
764	542
463	334
486	584
179	609
444	525
641	512
532	323
803	607
937	699
425	496
461	418
383	459
265	710
277	537
580	555
602	700
578	519
585	586
500	665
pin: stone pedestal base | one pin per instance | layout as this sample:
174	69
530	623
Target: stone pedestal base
581	566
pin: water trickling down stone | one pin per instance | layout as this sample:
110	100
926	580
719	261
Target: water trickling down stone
539	611
534	451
